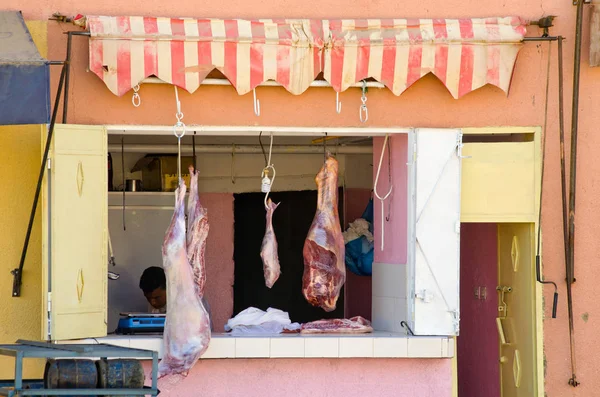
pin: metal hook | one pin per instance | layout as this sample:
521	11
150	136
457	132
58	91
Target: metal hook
256	103
338	104
325	148
136	100
179	114
233	163
363	112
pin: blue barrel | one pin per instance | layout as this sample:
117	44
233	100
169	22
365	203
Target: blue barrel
70	374
120	374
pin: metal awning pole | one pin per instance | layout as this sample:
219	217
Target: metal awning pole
18	273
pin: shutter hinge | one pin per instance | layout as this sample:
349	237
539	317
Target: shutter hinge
424	295
49	316
49	163
414	155
455	320
459	147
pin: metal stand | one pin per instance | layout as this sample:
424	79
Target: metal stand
28	349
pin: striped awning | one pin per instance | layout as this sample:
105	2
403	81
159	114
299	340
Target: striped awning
465	54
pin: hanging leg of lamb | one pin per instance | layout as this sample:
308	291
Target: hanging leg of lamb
197	232
324	251
187	327
268	250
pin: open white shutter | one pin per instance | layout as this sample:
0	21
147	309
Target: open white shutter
434	230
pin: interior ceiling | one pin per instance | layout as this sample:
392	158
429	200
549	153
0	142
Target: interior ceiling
237	140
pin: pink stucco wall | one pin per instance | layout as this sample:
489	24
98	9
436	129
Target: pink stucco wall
219	257
477	345
395	231
426	104
312	377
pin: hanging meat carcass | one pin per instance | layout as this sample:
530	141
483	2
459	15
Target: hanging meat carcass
324	251
268	249
187	326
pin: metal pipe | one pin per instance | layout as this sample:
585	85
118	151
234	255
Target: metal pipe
539	225
542	38
67	78
245	130
225	82
239	149
563	173
18	273
573	185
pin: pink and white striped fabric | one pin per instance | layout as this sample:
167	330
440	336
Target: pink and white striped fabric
464	54
182	51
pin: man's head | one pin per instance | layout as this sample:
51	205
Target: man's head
154	285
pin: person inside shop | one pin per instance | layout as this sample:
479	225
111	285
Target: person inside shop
153	284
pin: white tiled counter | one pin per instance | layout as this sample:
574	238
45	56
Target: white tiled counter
375	345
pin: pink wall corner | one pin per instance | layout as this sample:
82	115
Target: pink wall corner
477	345
357	377
219	257
395	232
358	288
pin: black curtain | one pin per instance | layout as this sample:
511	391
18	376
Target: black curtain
291	222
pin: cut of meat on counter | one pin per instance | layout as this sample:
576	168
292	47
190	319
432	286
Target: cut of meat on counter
324	251
354	325
268	250
187	326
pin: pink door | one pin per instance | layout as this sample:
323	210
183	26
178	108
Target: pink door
477	343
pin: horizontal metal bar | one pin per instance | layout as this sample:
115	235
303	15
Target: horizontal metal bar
213	130
141	207
225	82
547	38
78	33
238	149
54	346
75	392
55	62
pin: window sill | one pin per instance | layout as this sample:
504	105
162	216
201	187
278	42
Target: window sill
375	345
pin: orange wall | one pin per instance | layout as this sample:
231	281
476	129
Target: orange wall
425	104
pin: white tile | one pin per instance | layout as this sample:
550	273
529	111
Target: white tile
389	280
287	347
150	343
382	313
390	347
321	347
252	347
424	347
356	346
388	313
220	348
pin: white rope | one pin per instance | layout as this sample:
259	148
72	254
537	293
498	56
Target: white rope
382	199
265	173
181	125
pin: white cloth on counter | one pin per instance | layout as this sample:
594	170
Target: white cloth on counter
356	229
253	321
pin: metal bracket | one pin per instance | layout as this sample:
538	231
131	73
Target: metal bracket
16	282
424	295
584	2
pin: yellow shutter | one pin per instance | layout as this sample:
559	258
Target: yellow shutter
499	182
75	207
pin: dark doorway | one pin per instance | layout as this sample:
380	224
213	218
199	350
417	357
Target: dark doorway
291	222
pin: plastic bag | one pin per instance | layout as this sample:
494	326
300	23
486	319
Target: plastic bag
253	321
360	251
